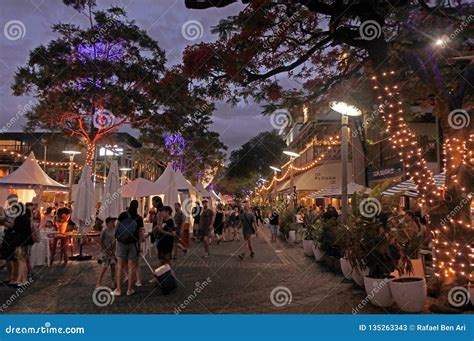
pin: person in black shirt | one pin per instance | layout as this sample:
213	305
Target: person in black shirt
166	234
196	213
273	222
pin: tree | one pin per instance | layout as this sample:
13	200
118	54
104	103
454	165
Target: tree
250	162
323	44
90	81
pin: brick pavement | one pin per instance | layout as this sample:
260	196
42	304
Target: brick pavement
235	286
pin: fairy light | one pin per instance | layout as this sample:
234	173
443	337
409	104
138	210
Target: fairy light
328	143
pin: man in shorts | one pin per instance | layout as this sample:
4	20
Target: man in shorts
179	220
205	223
249	226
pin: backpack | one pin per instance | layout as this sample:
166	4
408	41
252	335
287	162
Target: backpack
126	230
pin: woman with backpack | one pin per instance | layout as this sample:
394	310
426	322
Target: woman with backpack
129	235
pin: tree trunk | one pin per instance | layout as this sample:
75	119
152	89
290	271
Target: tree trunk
90	155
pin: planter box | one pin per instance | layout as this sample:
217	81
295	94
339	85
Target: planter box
308	248
318	254
409	293
346	268
378	291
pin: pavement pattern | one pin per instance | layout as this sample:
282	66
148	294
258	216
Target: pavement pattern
220	284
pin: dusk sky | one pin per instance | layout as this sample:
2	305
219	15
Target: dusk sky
162	19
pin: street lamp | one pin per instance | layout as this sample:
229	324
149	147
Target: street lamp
345	110
71	154
124	171
293	155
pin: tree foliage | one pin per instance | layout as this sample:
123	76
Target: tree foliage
250	162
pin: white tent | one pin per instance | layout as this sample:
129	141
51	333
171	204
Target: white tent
166	185
83	214
111	201
202	191
138	188
214	196
30	176
181	183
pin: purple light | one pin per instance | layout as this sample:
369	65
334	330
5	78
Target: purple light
175	143
100	50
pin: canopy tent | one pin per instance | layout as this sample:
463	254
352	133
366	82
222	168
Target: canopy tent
409	189
111	202
83	214
283	186
138	188
181	183
202	191
30	176
336	191
166	185
214	196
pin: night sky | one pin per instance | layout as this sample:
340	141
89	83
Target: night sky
162	19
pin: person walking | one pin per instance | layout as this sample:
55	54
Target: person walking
273	222
249	225
166	236
219	224
196	213
205	223
233	224
179	219
129	235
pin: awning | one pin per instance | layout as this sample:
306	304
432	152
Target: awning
335	191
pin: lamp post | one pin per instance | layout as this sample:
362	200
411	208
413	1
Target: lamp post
275	172
345	110
124	171
293	155
71	154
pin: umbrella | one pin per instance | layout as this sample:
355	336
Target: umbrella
408	188
112	201
138	188
83	214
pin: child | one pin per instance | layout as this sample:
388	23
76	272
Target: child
107	243
166	234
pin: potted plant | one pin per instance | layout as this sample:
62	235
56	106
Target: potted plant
382	256
409	292
330	232
287	217
316	237
311	233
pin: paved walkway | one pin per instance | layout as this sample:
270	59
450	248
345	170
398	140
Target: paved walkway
226	285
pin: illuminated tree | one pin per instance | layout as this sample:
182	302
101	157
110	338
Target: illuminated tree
90	81
325	44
